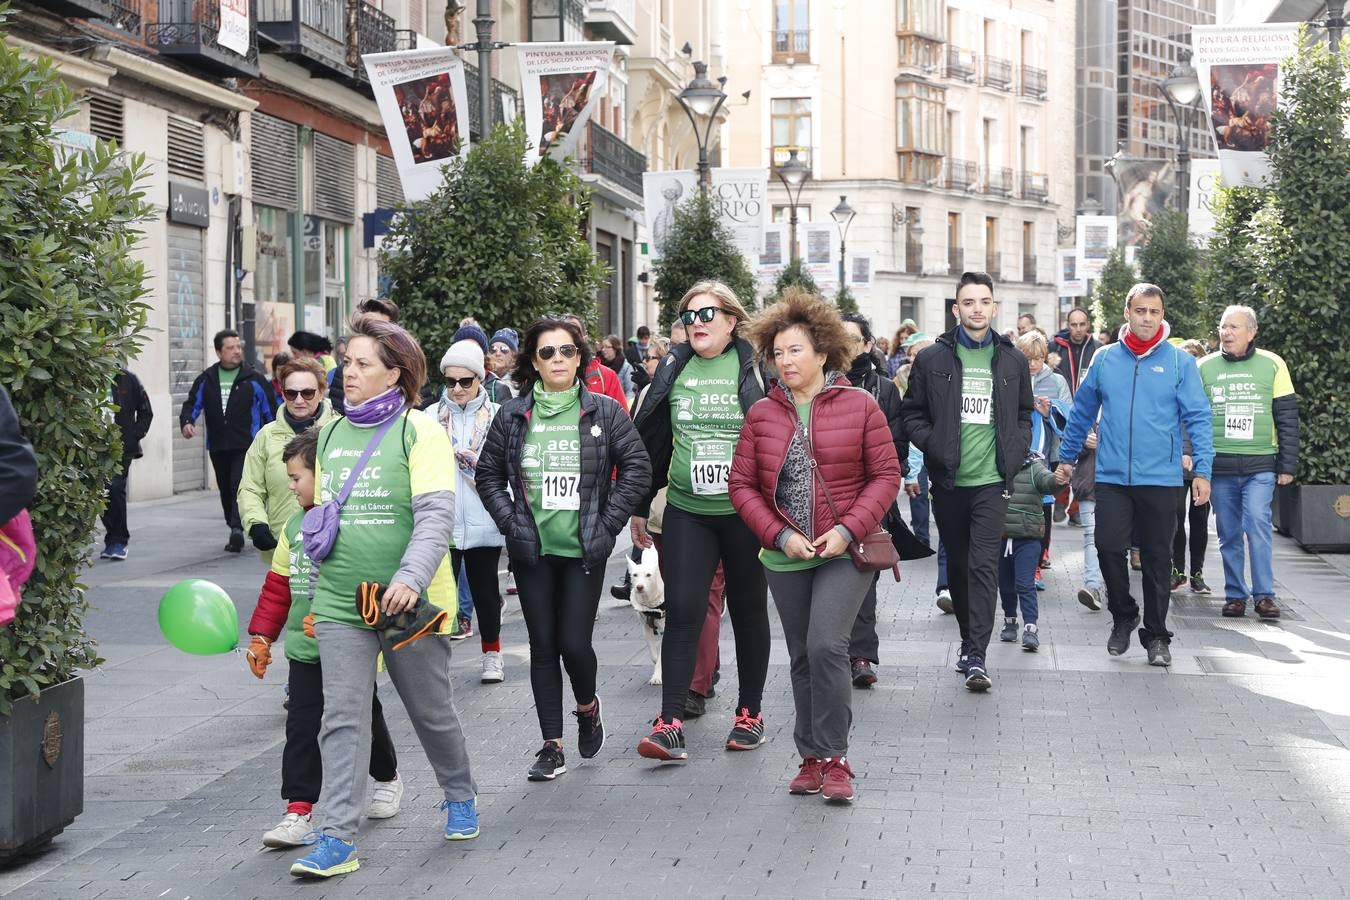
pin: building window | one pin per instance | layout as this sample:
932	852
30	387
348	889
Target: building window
791	31
956	254
791	124
911	308
556	20
921	122
992	260
274	313
913	244
923	17
781	213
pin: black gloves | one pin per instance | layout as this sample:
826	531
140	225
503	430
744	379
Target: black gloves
261	536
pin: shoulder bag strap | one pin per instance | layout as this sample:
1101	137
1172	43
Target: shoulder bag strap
815	469
365	456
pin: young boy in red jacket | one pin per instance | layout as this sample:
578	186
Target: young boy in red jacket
284	603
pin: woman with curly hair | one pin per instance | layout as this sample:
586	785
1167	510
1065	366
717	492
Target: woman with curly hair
815	469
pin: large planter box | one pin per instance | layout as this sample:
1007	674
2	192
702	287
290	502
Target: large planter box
1315	515
42	767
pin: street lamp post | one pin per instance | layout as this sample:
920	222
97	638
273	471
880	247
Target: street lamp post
701	98
1335	25
1182	88
843	217
793	174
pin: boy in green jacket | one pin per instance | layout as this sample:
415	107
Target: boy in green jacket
1023	528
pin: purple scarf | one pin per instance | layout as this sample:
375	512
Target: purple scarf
377	409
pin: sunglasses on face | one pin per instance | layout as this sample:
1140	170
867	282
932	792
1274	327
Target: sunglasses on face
567	350
501	350
307	393
462	383
705	315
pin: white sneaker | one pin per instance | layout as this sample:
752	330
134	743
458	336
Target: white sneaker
493	673
290	831
944	602
385	799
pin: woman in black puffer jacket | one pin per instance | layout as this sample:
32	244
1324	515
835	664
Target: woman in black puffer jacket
576	470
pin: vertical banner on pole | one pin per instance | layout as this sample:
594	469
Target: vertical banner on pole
1205	183
1239	72
1096	240
821	254
861	269
738	202
662	194
560	85
1070	282
773	258
424	103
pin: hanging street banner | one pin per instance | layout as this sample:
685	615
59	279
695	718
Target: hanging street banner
737	197
1146	187
1096	240
425	107
233	34
773	259
560	85
1069	282
820	254
1239	71
861	269
1205	184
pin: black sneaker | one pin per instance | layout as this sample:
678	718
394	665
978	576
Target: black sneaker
977	677
1178	579
1009	632
590	730
1198	585
236	544
666	742
1119	641
548	763
695	705
1159	653
963	658
864	676
621	589
748	731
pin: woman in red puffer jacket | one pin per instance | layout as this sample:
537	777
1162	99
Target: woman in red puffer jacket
812	411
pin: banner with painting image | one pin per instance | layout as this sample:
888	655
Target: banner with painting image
1239	72
424	103
560	85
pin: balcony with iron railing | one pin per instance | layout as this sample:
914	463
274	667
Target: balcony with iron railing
1035	187
997	73
1035	82
791	46
958	174
190	33
405	39
996	181
956	260
993	264
312	33
605	155
961	64
613	20
500	93
123	14
1028	269
375	33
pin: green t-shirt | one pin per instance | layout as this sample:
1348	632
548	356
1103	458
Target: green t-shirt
227	378
777	560
1240	397
413	458
290	562
979	464
705	419
550	463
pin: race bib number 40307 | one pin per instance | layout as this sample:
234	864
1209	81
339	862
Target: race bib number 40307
976	397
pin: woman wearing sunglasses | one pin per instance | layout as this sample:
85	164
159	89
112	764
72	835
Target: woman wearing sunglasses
556	447
265	499
690	422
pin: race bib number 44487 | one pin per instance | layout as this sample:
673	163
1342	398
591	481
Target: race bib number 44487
1239	422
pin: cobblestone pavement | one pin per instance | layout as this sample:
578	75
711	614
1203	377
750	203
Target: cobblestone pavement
1079	775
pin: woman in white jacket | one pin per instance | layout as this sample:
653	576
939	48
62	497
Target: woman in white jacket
466	411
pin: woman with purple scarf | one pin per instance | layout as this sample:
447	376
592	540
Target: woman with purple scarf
393	528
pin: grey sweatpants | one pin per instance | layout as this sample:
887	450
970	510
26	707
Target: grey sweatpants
817	608
421	675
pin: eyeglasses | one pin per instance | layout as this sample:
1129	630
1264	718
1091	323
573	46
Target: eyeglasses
705	315
567	350
501	350
653	359
307	393
463	383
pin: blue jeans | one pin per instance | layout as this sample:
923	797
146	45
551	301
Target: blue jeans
942	567
1242	511
919	509
465	595
1092	570
1017	578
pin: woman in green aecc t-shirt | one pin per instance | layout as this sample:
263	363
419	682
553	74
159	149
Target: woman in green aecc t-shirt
394	529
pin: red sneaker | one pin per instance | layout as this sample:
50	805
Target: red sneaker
836	780
808	778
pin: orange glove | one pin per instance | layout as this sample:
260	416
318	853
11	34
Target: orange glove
259	655
309	625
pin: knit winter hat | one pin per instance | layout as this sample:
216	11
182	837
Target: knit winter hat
472	333
508	337
467	355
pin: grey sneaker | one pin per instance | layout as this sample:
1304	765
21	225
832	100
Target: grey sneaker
289	832
1091	598
944	601
1159	653
1031	639
1119	641
1009	632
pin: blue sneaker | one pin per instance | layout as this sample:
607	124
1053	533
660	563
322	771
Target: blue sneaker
330	856
461	823
115	551
963	660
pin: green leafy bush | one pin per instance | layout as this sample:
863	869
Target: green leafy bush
1231	278
698	248
1169	258
1109	292
70	313
1301	253
845	300
501	241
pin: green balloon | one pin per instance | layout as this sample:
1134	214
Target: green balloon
198	617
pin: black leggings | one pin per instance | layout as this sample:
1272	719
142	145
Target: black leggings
695	544
301	762
487	597
1199	522
559	599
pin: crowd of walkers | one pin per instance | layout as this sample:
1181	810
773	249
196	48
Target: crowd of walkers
763	456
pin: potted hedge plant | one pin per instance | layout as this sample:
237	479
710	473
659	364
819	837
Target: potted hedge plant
70	311
1301	253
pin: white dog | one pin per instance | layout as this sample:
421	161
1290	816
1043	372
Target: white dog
648	597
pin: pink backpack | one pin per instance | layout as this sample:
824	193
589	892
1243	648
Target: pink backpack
18	553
